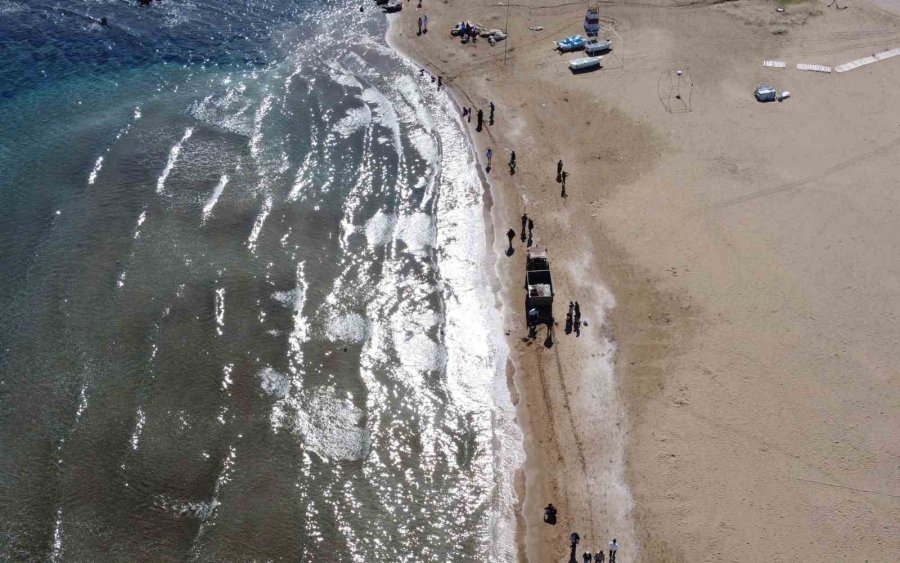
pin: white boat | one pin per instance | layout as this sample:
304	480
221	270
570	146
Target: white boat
592	22
596	46
584	63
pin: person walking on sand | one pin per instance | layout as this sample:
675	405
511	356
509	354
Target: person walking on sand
491	118
613	548
510	234
524	225
564	176
480	119
512	163
440	82
420	27
577	311
530	226
425	24
490	155
573	543
559	166
465	111
586	557
599	557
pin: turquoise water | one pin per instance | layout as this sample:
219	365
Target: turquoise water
245	307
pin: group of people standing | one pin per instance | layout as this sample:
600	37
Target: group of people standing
561	176
587	557
423	24
573	319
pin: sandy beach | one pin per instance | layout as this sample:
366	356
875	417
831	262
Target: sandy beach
734	395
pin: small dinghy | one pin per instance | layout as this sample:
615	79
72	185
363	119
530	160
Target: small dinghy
596	46
585	63
572	43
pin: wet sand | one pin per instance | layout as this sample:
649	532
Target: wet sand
735	390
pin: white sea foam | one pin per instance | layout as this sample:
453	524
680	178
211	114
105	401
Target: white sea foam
96	170
416	230
384	115
214	197
354	120
260	221
220	310
138	429
380	228
258	119
347	328
274	383
173	158
56	552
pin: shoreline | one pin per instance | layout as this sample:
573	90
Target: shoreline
535	473
491	264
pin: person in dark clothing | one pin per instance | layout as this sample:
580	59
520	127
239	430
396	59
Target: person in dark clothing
564	176
599	557
420	27
577	311
530	226
573	539
586	557
550	514
510	234
613	548
480	119
512	163
559	166
440	82
491	118
465	112
524	225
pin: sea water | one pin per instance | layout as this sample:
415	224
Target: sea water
245	295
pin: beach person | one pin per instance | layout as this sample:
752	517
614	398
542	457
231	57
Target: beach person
491	118
577	311
530	226
571	308
465	111
490	155
586	557
480	118
440	82
613	548
510	234
420	27
599	557
573	540
564	176
425	24
559	166
550	512
512	162
524	225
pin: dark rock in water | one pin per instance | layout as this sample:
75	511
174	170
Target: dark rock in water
144	2
103	22
381	2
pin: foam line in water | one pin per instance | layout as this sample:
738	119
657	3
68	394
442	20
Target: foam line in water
220	310
96	170
173	157
56	553
138	428
214	197
258	224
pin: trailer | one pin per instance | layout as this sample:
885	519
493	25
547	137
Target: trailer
538	288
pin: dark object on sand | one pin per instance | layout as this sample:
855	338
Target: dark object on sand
392	8
550	514
381	2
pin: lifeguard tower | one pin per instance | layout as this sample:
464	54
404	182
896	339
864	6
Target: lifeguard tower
538	288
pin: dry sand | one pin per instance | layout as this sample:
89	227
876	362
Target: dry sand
739	263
